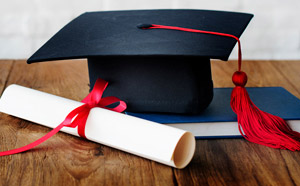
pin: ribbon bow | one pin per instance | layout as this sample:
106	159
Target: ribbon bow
78	116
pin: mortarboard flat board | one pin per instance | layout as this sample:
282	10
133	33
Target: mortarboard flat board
151	70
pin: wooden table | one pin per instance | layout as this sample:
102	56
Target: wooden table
68	160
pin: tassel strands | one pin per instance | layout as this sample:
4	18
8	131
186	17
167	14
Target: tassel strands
258	126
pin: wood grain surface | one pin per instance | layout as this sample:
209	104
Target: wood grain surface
69	160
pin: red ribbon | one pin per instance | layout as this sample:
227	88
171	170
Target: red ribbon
81	113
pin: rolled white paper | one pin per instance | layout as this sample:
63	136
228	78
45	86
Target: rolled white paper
164	144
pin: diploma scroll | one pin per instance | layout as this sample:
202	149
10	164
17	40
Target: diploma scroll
164	144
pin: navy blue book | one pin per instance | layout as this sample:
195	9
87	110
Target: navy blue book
219	121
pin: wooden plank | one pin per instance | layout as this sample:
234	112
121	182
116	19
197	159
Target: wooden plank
290	71
238	162
5	68
64	159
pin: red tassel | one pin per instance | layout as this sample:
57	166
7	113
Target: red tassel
255	125
258	126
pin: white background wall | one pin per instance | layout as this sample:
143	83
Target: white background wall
274	33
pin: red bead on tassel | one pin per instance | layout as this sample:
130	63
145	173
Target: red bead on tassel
258	126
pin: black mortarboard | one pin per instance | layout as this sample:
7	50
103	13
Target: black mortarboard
151	70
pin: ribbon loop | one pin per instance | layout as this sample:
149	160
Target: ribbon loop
94	97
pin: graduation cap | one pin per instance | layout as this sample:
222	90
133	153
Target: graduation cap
159	61
152	71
